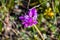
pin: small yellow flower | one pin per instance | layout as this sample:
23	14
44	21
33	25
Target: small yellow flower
49	13
50	9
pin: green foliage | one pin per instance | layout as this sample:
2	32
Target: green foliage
1	25
44	22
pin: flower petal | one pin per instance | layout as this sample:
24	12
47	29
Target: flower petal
21	17
32	12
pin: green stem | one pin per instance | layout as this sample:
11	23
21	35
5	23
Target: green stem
33	29
39	32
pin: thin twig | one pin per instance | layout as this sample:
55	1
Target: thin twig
28	4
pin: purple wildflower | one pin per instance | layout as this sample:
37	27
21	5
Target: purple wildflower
30	19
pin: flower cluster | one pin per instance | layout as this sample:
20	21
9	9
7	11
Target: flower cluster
30	18
49	13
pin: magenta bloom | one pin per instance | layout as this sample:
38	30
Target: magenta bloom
30	19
